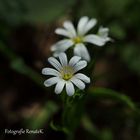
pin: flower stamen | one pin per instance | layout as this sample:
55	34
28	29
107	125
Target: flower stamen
67	72
77	40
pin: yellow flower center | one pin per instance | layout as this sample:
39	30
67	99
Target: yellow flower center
67	76
67	72
77	40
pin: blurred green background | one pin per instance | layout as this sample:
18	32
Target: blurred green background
110	111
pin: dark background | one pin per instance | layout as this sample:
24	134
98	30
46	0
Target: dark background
111	111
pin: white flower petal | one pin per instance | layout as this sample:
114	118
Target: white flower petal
70	28
81	50
51	81
94	39
59	86
103	32
61	31
62	45
80	65
81	25
90	25
74	60
54	62
69	88
63	59
56	53
78	83
50	71
82	77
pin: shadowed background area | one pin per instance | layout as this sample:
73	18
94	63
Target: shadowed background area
110	111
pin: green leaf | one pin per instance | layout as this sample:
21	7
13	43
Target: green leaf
59	128
114	95
88	125
19	66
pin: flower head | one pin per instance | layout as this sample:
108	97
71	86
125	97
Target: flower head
78	38
65	74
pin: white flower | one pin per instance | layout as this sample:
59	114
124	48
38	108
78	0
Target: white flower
65	74
78	37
